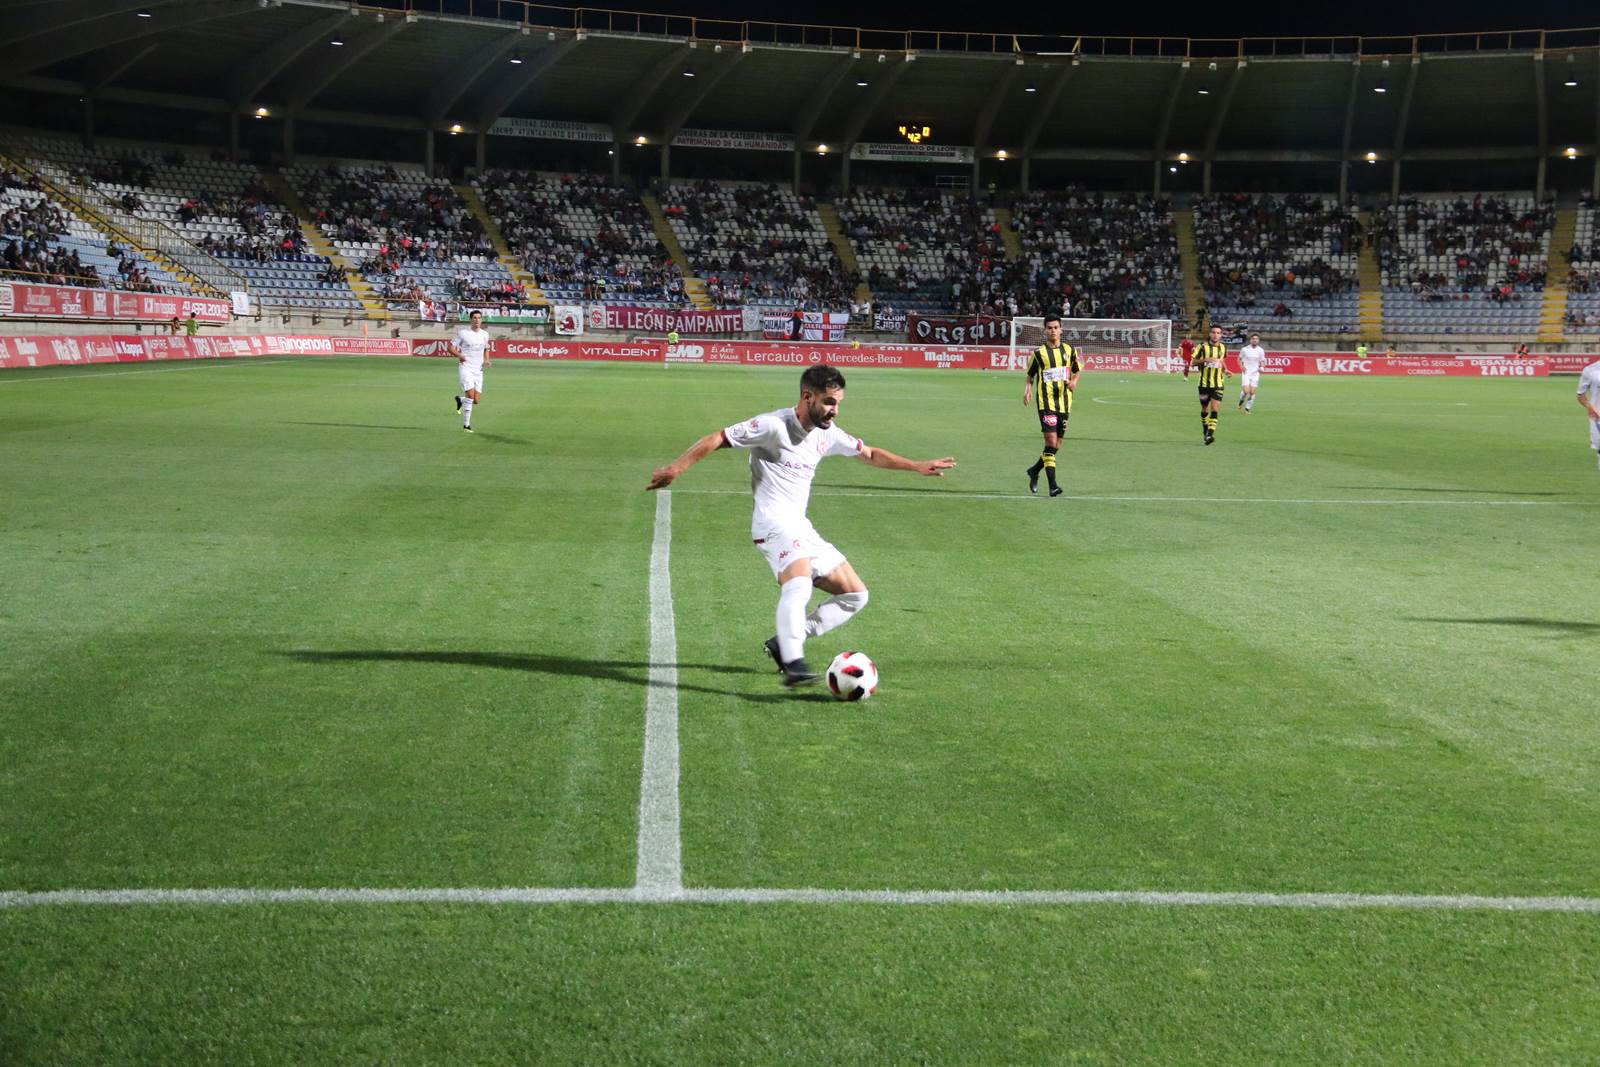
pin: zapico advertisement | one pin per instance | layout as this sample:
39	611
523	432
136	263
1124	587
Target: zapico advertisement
67	302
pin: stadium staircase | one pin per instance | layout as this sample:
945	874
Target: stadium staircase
502	250
319	244
1194	297
1553	313
1013	243
1370	277
833	226
694	288
56	184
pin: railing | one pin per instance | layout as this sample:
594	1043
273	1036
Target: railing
141	233
81	281
689	27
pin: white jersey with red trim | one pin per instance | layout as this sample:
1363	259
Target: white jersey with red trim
783	460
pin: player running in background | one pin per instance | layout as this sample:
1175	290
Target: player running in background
785	447
1251	356
1589	397
1209	358
1056	365
470	346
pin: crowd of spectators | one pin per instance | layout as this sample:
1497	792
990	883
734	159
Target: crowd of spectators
412	221
926	244
1275	249
30	229
757	243
1492	246
581	231
1096	255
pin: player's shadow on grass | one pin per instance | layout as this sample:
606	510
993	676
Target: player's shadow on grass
500	439
354	425
918	488
1440	489
1559	626
633	672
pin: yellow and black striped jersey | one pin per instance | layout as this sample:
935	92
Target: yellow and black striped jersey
1208	359
1051	368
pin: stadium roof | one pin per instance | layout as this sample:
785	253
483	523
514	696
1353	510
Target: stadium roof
417	64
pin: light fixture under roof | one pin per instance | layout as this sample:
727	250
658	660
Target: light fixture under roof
143	13
1372	157
1030	88
1204	90
822	149
688	72
516	59
862	82
455	128
1381	87
262	112
337	43
1000	154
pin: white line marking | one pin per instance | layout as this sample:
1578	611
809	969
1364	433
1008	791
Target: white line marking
888	897
937	494
151	370
660	868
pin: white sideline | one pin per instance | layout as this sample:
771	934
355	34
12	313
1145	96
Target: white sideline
209	365
643	894
660	865
940	495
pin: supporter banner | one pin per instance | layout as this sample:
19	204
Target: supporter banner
893	152
890	320
432	310
752	142
551	129
976	330
814	325
619	317
67	302
241	302
569	320
526	315
49	351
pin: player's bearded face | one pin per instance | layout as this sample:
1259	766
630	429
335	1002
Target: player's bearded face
823	407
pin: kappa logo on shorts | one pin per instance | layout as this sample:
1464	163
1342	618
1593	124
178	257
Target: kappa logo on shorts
754	424
783	555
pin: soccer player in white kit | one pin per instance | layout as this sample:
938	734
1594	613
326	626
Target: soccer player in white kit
785	447
1251	356
1589	397
470	346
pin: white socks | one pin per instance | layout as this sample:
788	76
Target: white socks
793	596
466	411
834	612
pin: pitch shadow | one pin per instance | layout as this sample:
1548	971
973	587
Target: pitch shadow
1432	489
913	489
1560	626
500	439
632	672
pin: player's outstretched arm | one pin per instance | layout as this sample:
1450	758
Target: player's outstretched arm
886	460
1594	412
662	477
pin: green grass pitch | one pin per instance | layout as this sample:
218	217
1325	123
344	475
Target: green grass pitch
282	623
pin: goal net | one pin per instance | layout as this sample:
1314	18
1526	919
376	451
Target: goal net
1106	344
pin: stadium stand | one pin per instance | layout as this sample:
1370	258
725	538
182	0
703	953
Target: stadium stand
414	239
582	238
1098	255
1583	281
1470	263
757	244
924	250
1289	261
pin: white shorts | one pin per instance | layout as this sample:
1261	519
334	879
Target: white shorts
1594	433
782	545
470	377
1250	379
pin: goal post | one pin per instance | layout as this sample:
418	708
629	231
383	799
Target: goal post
1106	344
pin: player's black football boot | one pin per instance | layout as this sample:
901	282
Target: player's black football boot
796	672
771	645
1210	437
458	403
1056	490
1033	480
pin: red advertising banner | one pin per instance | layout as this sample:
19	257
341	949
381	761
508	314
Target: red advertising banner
1423	366
1568	362
663	320
806	353
51	351
66	302
559	348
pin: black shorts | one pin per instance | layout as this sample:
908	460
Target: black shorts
1207	395
1053	421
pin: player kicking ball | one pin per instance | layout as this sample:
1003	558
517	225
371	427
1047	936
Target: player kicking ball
470	346
785	447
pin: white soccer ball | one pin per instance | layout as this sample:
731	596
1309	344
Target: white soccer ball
852	676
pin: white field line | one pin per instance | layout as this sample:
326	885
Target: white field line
876	897
938	495
660	866
169	369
